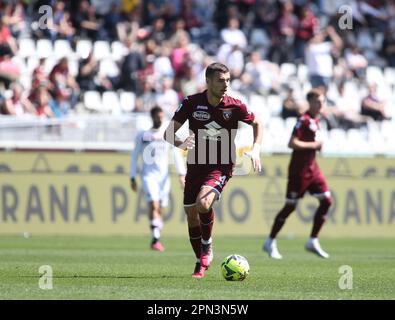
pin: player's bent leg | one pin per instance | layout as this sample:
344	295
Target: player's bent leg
270	245
204	203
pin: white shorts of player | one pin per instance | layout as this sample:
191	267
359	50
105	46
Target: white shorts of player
157	189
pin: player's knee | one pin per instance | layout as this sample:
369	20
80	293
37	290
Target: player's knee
203	205
326	201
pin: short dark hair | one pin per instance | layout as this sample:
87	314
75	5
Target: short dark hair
155	110
216	67
313	94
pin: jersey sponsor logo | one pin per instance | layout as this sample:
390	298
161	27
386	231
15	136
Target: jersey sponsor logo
202	107
213	131
201	115
227	114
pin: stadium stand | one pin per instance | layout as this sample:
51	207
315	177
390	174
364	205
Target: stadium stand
135	49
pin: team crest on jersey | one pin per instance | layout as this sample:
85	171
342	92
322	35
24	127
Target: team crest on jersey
201	115
227	114
313	126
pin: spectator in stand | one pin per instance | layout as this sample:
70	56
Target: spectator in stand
388	46
319	58
372	106
167	97
233	36
349	108
40	98
14	17
188	83
39	76
147	100
307	28
85	21
291	108
131	65
282	49
157	32
162	64
62	82
261	76
8	45
356	63
88	75
18	104
62	27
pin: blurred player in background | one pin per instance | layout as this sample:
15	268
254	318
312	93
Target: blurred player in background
155	171
213	121
304	175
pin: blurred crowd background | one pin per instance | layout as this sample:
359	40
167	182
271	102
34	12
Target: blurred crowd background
126	56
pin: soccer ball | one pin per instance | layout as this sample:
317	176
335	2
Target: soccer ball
235	268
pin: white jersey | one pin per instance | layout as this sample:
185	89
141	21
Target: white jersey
155	155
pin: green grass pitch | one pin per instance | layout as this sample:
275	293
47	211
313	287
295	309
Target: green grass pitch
124	268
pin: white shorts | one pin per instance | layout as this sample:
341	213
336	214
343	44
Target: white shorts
157	189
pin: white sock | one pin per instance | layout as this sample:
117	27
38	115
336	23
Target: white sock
207	241
155	228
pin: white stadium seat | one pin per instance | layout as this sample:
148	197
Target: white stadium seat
110	102
101	49
62	49
83	47
44	48
92	101
27	48
127	101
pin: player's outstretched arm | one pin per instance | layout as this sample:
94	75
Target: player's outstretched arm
297	144
256	150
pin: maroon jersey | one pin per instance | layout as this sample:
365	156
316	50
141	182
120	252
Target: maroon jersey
214	128
303	162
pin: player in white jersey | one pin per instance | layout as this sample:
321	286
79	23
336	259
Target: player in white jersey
155	171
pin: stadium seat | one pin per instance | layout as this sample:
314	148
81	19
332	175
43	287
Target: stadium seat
374	75
44	48
274	103
101	49
389	75
92	101
287	70
118	50
303	73
50	63
127	101
83	47
32	63
62	49
110	102
257	104
27	48
73	67
108	68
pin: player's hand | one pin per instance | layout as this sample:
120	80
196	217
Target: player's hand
189	143
318	145
254	154
133	184
181	179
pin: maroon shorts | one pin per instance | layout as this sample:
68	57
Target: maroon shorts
298	184
195	180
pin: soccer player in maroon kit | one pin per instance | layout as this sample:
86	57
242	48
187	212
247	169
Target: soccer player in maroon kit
304	175
213	121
